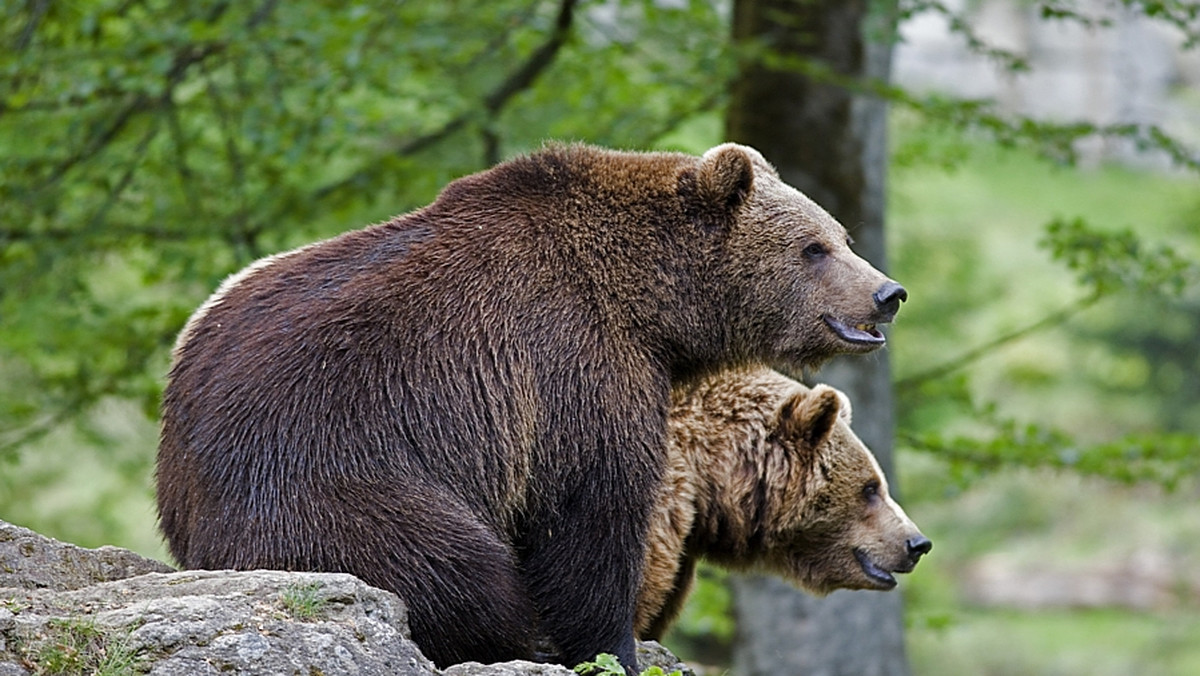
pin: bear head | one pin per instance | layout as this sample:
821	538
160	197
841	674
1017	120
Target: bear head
765	474
831	523
802	293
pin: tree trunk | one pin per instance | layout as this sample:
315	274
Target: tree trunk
831	144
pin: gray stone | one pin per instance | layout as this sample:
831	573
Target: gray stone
240	622
29	560
87	606
654	654
517	668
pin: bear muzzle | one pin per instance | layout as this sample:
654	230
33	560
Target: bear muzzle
882	575
862	333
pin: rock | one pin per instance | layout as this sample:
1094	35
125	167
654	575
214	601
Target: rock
654	654
65	609
518	668
649	654
198	622
32	561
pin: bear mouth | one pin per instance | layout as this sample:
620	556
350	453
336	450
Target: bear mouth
859	333
883	579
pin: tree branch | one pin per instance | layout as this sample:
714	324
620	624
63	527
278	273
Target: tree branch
72	234
1052	140
184	58
26	36
909	383
518	81
958	24
243	234
1184	16
126	178
524	77
182	167
140	103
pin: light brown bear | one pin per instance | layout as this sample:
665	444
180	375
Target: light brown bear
765	473
467	404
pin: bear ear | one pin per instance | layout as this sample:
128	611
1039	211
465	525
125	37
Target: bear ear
726	175
845	412
808	416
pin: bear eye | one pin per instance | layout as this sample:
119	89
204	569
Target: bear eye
871	490
815	250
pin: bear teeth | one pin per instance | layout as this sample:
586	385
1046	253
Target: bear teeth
865	327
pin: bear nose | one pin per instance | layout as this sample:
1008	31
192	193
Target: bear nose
917	547
889	296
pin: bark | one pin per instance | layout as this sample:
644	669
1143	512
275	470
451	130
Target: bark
831	144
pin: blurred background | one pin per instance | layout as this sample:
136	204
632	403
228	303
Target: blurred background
1041	205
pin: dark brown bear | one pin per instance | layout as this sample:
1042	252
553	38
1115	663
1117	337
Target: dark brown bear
467	404
763	473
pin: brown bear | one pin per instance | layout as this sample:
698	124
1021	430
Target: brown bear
467	404
764	473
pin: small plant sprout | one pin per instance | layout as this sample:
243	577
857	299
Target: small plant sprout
301	600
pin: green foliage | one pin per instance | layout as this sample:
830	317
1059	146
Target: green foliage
1011	352
960	25
1182	15
705	629
608	665
1044	384
1057	141
1110	262
1164	459
605	664
149	149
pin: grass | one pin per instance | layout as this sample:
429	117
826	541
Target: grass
77	647
1084	532
303	600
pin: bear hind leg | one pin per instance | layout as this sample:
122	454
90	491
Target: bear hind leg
466	600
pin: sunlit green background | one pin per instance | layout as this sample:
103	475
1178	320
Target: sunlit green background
1063	459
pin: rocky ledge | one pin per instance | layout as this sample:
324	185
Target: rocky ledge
66	609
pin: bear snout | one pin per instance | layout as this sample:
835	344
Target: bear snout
917	547
888	298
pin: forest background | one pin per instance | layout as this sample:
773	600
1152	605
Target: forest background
1045	371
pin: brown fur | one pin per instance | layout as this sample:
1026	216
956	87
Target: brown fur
466	405
764	473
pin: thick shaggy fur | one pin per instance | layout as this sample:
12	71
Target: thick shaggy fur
466	404
765	473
